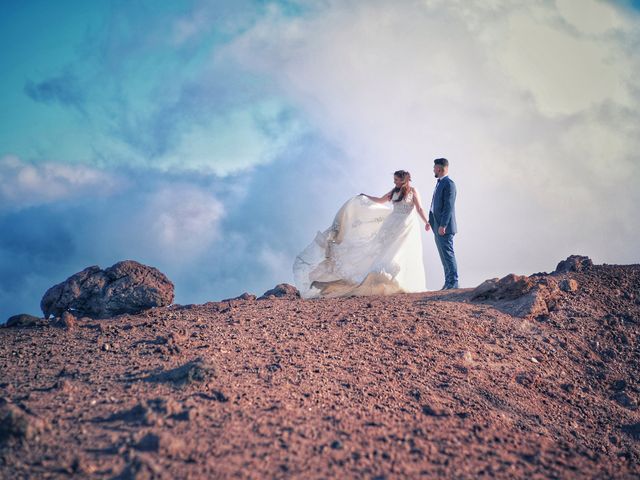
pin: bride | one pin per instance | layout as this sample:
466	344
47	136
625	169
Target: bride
370	249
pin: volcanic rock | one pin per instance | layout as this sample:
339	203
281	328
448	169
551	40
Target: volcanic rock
141	467
574	263
519	295
245	296
166	443
149	412
126	287
196	370
17	424
23	320
283	290
632	429
507	288
568	285
67	321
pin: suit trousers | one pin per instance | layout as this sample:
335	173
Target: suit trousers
444	243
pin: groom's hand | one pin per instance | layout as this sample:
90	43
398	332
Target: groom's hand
441	230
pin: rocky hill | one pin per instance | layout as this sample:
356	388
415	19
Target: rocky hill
525	377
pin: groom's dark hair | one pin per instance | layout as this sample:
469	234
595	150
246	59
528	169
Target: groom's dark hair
441	161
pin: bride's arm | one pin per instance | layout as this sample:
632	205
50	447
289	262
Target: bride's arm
383	199
416	202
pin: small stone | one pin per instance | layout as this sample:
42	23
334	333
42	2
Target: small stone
534	360
568	285
106	347
23	320
141	467
336	445
81	466
17	424
163	442
567	387
618	385
415	394
632	429
625	401
283	290
197	370
486	289
63	385
431	412
149	443
67	321
246	296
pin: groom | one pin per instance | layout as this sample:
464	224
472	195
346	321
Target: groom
442	219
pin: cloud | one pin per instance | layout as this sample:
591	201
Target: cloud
179	222
568	70
536	108
168	221
214	237
230	138
24	184
156	97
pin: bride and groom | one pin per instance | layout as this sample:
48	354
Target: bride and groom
371	249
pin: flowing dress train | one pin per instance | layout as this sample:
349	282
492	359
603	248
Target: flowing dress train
370	249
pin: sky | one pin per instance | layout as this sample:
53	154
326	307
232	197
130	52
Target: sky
213	139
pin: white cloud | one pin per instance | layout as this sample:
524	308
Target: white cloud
564	72
24	184
182	221
159	222
535	106
592	17
233	141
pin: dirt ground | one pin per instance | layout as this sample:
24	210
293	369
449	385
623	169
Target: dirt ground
416	385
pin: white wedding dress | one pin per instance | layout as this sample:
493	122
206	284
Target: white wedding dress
370	249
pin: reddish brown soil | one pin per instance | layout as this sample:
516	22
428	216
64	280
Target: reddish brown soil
382	387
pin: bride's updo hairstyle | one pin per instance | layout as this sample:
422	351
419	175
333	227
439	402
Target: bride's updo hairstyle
404	189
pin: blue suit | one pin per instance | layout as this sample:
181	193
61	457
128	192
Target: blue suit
443	214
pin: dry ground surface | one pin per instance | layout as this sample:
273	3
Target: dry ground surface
403	386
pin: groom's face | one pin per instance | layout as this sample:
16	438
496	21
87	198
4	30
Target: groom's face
438	171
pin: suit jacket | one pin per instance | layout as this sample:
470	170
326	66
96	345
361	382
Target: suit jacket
444	206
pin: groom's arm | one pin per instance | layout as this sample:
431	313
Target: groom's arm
449	197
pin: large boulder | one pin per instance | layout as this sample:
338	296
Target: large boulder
574	263
126	287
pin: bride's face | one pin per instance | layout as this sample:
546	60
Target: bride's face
397	181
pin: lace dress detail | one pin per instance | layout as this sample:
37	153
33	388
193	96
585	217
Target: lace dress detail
404	206
369	249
